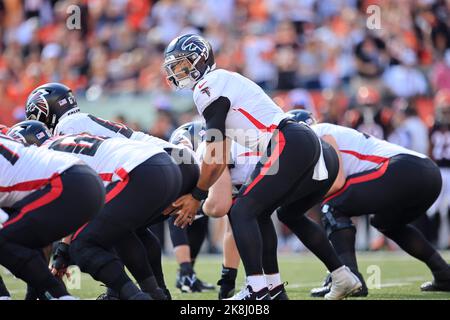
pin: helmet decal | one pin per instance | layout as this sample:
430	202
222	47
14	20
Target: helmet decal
38	102
192	44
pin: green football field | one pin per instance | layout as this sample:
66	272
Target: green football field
392	275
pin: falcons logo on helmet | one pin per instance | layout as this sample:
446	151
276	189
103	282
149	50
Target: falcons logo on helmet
38	103
195	43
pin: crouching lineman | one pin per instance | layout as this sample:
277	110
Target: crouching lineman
142	180
395	185
47	195
55	105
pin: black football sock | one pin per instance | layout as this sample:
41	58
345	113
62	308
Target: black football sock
153	247
344	243
315	239
29	265
415	244
196	234
114	276
439	267
186	268
270	244
128	290
151	287
229	275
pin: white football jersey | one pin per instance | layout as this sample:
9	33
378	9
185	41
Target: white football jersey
78	123
243	160
360	151
252	116
109	157
27	169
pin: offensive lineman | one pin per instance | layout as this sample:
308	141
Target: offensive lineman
55	105
41	191
395	185
142	180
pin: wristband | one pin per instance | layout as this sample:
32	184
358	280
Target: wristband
199	194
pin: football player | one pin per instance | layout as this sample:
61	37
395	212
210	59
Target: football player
187	242
239	170
142	180
395	185
235	108
55	105
47	195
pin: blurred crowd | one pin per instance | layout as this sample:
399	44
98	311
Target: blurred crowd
321	55
282	45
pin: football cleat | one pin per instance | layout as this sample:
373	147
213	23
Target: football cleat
110	294
441	282
320	292
226	289
343	284
432	286
247	293
188	283
105	296
279	292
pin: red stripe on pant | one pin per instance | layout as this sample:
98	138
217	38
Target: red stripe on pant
114	192
365	157
274	156
79	230
56	189
360	179
28	185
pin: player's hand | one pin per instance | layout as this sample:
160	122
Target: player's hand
61	260
169	210
187	208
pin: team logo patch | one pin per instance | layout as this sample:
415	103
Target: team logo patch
38	103
206	91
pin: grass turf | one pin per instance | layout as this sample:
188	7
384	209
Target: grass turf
400	277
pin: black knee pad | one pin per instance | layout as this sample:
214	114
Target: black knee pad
89	257
178	235
333	222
